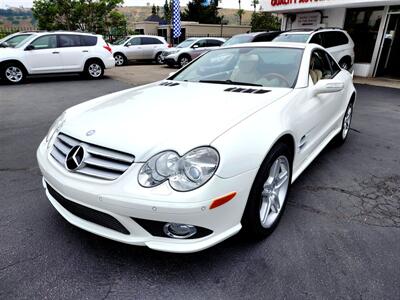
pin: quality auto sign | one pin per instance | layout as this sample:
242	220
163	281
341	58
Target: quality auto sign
289	5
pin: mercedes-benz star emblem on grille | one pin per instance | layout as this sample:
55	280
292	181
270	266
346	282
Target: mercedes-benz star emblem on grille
90	132
74	158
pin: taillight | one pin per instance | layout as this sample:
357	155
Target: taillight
107	47
169	45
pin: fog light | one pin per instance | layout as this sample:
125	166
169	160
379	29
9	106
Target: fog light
179	231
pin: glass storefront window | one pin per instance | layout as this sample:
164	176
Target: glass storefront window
363	26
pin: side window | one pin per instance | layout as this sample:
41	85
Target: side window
45	42
316	39
201	43
69	40
334	66
334	38
319	66
214	43
88	40
150	41
134	41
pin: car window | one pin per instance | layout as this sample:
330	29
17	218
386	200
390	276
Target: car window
334	66
201	43
45	42
186	43
150	41
134	41
15	40
334	38
267	37
294	38
88	40
214	43
316	39
319	66
69	40
254	66
238	39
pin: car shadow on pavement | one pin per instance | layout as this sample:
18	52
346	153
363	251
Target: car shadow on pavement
53	78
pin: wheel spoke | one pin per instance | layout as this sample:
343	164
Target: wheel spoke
275	205
283	177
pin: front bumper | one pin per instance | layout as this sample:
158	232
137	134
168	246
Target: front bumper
126	201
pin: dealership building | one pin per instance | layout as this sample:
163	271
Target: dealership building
374	25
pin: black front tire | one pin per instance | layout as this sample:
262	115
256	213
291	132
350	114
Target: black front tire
251	220
184	60
120	59
13	73
342	136
158	59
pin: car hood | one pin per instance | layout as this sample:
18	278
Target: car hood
145	120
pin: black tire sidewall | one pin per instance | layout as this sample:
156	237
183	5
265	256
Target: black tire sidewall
339	140
156	59
251	219
180	60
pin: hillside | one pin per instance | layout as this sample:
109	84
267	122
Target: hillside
139	13
22	17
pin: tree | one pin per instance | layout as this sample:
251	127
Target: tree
98	16
202	11
254	3
167	11
240	12
264	21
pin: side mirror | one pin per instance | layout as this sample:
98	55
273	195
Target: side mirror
195	46
4	45
325	86
29	48
128	45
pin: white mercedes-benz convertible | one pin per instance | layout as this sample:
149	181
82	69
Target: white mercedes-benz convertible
182	164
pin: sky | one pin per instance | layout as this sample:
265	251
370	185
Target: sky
246	4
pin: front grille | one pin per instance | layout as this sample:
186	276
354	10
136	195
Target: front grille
87	213
98	161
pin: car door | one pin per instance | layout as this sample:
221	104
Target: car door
72	52
198	48
42	55
151	46
134	49
316	112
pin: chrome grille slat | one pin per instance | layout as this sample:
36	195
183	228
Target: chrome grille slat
106	164
98	161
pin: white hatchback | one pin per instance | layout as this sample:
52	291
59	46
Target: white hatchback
56	52
336	41
184	163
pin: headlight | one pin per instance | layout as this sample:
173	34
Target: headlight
172	52
184	173
55	127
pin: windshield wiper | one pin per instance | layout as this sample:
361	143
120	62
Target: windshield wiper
230	82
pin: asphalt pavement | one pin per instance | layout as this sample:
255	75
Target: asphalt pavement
339	237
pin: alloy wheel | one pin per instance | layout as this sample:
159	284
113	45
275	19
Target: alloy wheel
95	70
347	121
274	191
184	61
14	74
119	60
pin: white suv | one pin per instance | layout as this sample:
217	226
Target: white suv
56	52
139	47
336	41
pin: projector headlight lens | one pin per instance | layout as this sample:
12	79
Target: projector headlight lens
184	173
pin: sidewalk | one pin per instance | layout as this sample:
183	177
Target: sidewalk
379	81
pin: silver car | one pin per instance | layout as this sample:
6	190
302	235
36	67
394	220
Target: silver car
139	47
189	49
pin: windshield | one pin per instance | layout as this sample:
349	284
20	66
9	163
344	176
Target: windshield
186	43
16	40
261	66
239	39
120	41
294	38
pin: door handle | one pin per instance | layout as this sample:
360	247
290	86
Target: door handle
85	50
303	142
56	52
